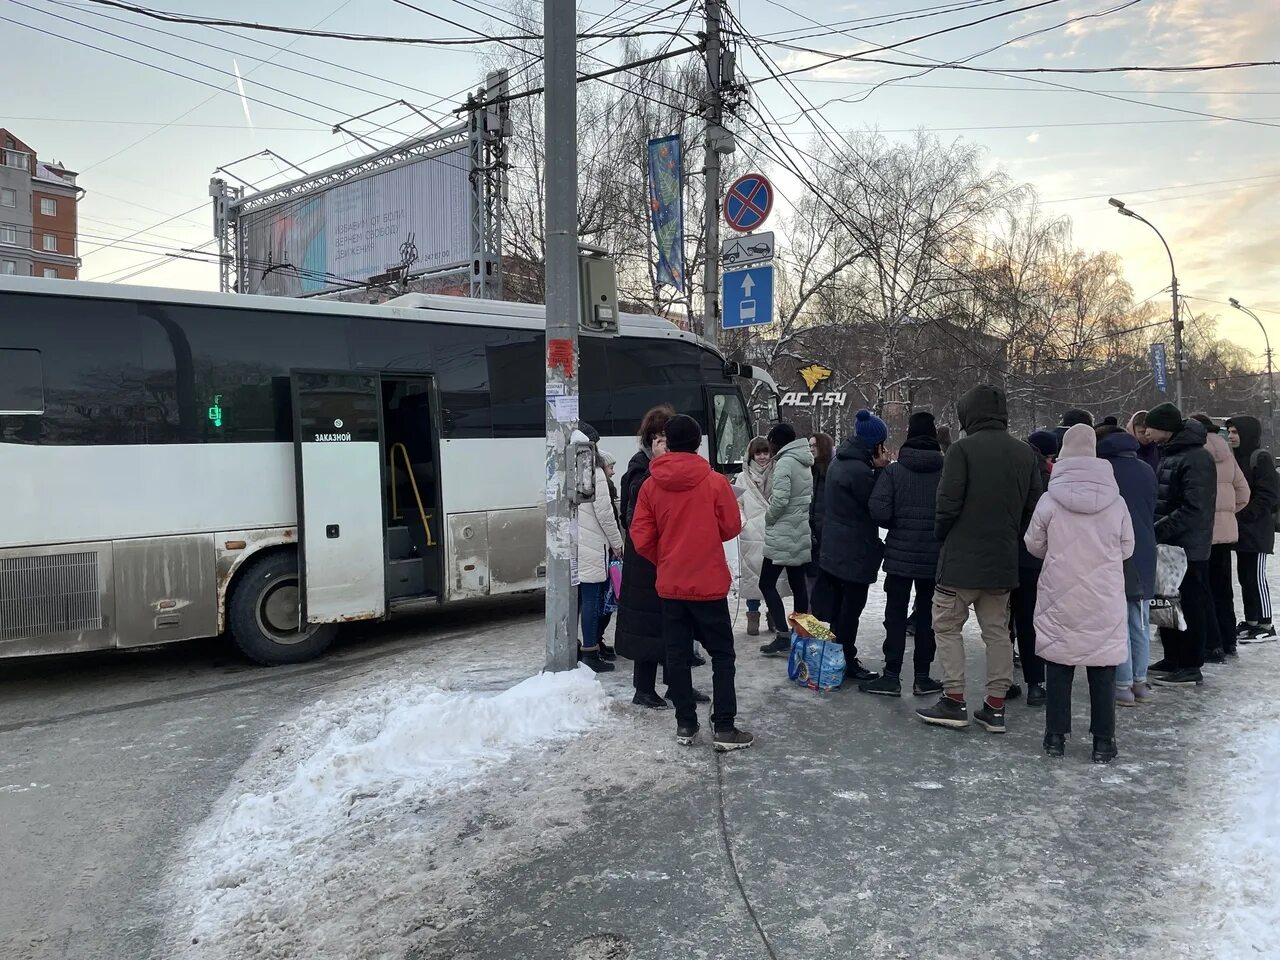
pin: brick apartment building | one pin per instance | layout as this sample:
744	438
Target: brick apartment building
38	221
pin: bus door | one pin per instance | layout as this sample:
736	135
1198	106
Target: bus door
730	429
338	464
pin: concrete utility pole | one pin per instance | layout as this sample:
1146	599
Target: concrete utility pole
1271	385
560	54
711	212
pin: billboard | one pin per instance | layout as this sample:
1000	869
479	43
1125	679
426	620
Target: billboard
359	227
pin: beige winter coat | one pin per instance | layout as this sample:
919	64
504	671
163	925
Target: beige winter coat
1233	490
597	533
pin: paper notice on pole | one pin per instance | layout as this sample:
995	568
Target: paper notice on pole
555	389
564	409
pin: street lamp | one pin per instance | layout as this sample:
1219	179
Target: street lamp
1177	321
1271	387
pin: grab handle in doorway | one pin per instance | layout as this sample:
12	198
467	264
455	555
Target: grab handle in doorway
413	482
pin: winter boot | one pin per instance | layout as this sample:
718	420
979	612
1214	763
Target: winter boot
1125	697
780	646
686	733
650	699
926	686
753	623
698	660
989	717
606	652
886	685
1104	750
1036	696
1014	692
945	713
855	671
1187	677
597	663
732	739
1216	655
1163	666
1055	744
1142	693
768	622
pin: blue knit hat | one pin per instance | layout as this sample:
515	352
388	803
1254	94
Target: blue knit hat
1045	442
870	429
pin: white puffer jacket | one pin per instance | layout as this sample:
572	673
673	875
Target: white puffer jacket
597	532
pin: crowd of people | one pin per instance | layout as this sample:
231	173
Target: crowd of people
1052	541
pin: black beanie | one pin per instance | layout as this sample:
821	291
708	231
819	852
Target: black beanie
1205	421
1072	417
921	425
683	434
781	435
1165	416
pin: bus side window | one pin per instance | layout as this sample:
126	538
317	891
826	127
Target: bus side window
21	382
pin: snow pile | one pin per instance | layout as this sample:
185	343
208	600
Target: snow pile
368	763
1246	854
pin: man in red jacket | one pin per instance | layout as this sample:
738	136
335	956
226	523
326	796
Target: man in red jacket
682	519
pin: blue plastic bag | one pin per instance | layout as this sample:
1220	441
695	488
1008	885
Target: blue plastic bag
816	664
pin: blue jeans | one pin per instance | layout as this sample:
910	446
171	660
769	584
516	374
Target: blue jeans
753	606
590	610
1134	670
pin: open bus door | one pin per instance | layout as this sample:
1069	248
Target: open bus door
338	464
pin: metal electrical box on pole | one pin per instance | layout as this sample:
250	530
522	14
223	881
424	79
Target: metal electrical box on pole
598	276
560	49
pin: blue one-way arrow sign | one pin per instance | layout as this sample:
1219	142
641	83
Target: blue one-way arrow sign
748	297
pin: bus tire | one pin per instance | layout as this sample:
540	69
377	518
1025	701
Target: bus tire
263	613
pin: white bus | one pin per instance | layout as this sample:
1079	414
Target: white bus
177	464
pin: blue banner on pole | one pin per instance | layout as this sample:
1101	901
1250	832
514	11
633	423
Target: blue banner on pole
666	206
1160	367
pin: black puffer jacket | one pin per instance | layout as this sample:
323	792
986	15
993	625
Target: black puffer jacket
851	547
1257	519
1026	559
1187	492
903	502
638	635
989	489
817	506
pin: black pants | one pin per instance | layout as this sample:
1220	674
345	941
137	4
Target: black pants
897	594
1186	648
769	573
1251	568
840	603
644	675
1023	604
706	621
1102	699
1224	600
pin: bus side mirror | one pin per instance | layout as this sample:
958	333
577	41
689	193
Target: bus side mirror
582	463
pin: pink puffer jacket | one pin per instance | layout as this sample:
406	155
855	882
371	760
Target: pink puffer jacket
1233	490
1081	528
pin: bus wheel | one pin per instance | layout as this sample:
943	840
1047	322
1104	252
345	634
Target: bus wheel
263	613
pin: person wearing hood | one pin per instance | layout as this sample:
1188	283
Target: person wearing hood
599	541
685	514
1186	494
851	547
1148	451
1082	530
1069	420
788	541
1232	496
1257	527
989	488
903	502
754	486
1137	483
1023	599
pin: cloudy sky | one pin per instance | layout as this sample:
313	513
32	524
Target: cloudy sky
146	141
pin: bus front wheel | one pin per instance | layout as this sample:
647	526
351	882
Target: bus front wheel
263	613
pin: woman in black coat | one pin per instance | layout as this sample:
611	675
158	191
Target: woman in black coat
638	635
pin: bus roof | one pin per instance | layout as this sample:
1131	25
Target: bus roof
417	307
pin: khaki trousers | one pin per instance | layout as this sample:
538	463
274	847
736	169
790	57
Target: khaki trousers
950	614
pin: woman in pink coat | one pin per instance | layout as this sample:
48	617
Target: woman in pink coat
1081	528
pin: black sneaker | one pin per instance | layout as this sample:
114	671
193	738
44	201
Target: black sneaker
732	739
992	718
1014	692
1104	750
596	662
650	699
1055	744
1243	628
1163	666
779	646
945	713
1216	655
887	686
1036	695
859	674
606	652
686	734
1186	677
1259	633
926	686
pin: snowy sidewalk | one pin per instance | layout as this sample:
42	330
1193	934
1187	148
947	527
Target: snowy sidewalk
849	829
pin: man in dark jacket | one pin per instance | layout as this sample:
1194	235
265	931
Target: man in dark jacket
1257	527
851	547
1069	420
683	518
989	489
903	502
1187	492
